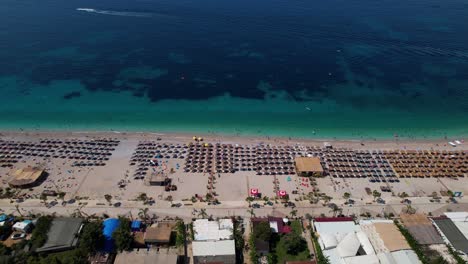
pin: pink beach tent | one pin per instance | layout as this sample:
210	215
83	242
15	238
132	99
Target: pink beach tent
253	192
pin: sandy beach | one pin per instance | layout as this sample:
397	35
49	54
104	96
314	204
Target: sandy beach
89	184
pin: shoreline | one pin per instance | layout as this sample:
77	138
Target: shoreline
377	143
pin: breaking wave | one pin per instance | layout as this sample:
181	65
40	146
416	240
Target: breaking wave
115	13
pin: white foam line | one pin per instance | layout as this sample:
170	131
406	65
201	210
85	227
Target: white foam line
114	13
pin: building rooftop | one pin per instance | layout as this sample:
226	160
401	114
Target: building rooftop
62	235
421	228
26	176
308	164
391	236
213	230
213	248
276	224
144	257
452	233
159	233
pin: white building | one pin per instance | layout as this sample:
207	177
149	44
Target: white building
221	251
213	230
214	241
344	242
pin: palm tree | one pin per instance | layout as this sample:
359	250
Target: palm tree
143	214
61	195
410	209
327	198
108	198
346	195
376	194
293	213
18	210
203	213
43	198
251	212
336	209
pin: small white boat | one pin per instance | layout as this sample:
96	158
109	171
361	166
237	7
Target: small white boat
452	144
458	142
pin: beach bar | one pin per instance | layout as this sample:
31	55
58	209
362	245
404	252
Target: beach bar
27	177
308	166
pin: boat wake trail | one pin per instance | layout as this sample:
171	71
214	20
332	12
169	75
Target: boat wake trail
115	13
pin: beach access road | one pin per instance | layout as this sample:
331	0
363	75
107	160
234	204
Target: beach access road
100	208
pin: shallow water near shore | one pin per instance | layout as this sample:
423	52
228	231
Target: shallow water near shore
270	68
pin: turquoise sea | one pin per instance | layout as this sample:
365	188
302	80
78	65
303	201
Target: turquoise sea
334	69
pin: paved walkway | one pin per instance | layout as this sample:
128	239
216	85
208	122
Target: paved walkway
308	238
161	209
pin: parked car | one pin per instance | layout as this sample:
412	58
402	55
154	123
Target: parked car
256	205
18	236
406	201
380	201
49	193
176	205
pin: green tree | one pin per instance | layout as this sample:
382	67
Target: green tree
143	214
17	207
203	213
294	243
346	195
4	250
43	198
262	231
336	209
293	213
142	197
108	198
91	238
122	235
61	195
376	194
39	234
180	233
321	259
251	212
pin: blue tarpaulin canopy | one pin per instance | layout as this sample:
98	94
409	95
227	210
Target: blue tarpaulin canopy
110	225
136	225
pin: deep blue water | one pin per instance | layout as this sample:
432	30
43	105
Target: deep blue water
350	68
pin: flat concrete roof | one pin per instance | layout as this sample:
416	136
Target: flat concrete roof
213	248
421	228
453	234
144	257
391	236
160	233
62	235
213	230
